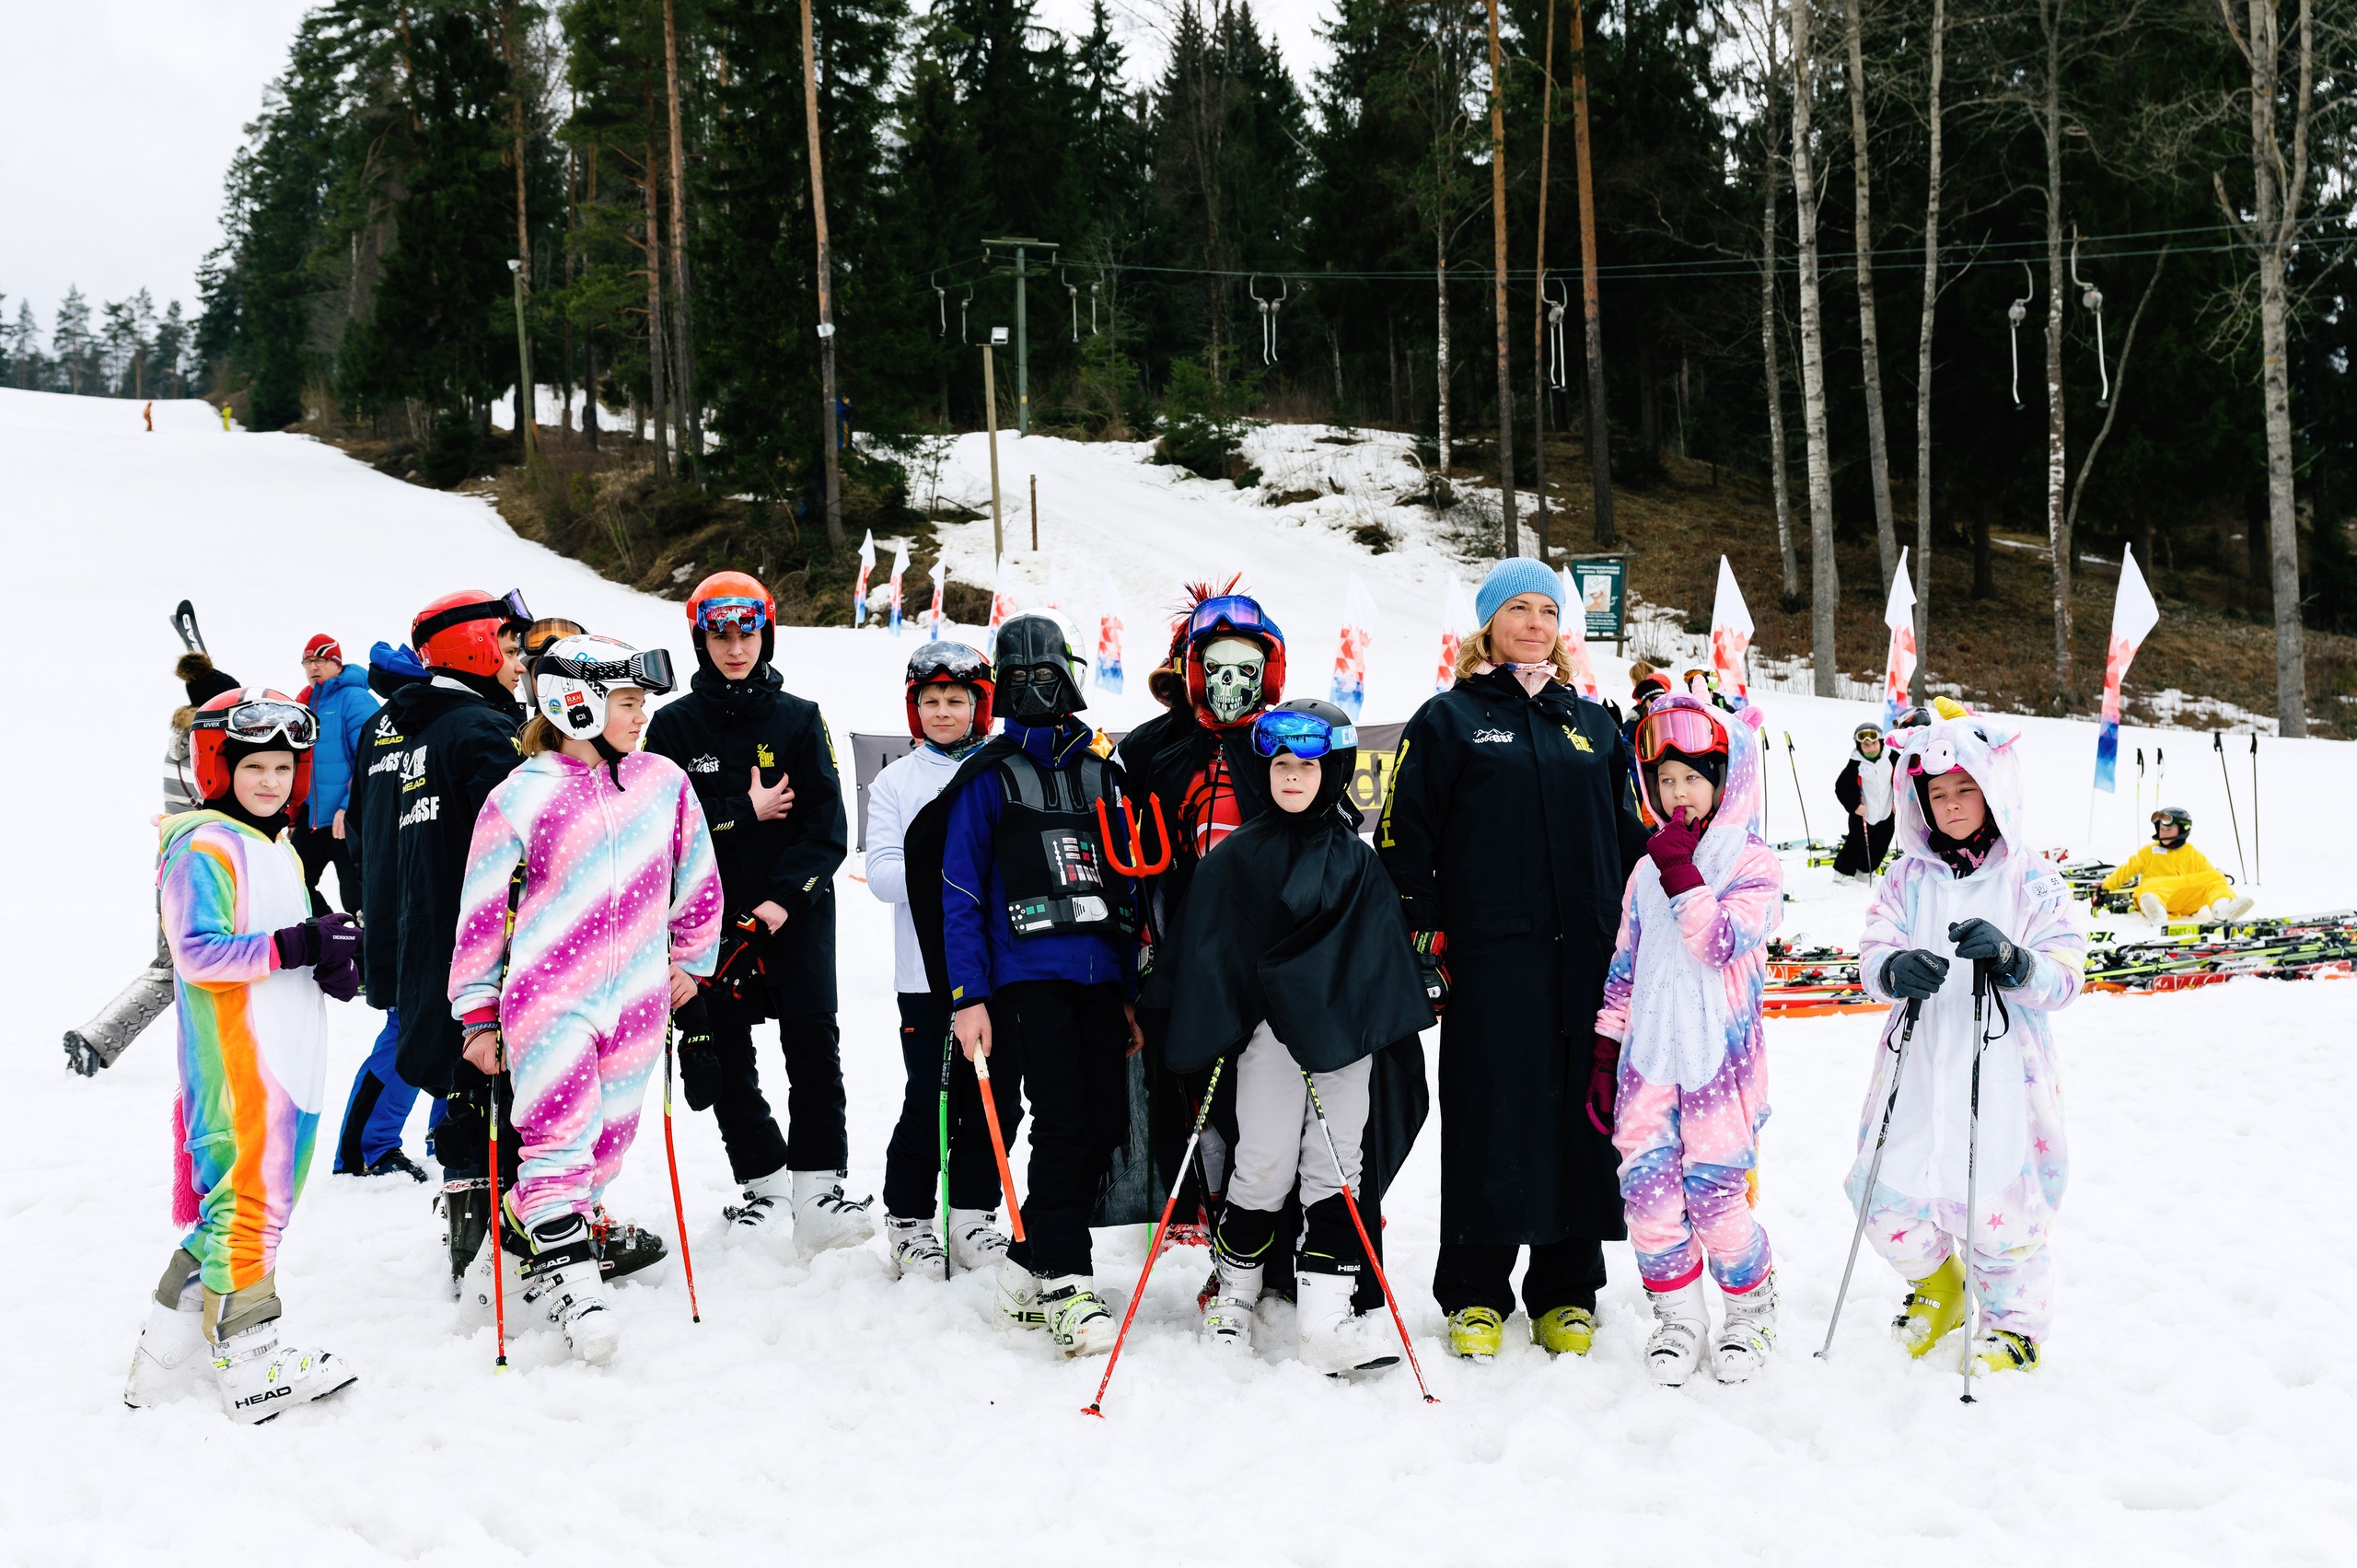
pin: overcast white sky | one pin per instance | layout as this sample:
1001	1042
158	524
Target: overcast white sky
118	119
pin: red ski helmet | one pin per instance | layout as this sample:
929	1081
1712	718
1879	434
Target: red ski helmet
252	719
1233	615
950	664
736	599
459	632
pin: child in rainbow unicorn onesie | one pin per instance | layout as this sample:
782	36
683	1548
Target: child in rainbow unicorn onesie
1680	1078
1967	887
618	910
250	968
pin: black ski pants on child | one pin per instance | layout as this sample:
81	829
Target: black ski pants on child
1562	1273
912	1159
1071	1044
814	1138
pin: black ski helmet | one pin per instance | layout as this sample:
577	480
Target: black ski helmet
1336	766
2180	816
1912	718
1038	674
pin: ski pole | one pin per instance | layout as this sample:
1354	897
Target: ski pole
2256	865
998	1147
1972	1169
1095	1407
949	1044
679	1206
495	1239
1874	1173
1799	793
2218	744
1365	1244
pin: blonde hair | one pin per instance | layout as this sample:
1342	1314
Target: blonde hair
1474	652
539	736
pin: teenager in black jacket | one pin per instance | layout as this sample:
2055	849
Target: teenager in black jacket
763	767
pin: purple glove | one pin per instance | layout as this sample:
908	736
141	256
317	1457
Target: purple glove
1672	849
1604	1084
326	940
340	981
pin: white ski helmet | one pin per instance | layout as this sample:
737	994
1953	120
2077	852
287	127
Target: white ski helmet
573	676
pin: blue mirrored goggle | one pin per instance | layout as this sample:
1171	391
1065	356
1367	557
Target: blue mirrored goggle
1306	736
732	615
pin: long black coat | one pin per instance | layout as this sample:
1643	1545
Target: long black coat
1161	759
718	734
1506	827
375	807
460	742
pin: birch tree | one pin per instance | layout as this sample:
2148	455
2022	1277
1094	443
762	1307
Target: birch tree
1825	572
1932	173
1869	333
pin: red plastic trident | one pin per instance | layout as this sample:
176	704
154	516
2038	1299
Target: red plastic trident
1139	866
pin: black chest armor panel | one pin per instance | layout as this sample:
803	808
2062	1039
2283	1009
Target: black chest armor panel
1049	857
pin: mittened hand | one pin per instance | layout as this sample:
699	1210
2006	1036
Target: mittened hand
297	945
1982	943
340	981
1672	849
1432	965
1604	1084
1914	975
328	940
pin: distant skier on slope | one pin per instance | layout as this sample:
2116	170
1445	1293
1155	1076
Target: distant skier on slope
590	906
102	1041
251	963
2173	879
1680	1074
1863	787
1966	890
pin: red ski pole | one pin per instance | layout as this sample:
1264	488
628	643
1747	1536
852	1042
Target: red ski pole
672	1157
1154	1250
1372	1261
495	1239
998	1144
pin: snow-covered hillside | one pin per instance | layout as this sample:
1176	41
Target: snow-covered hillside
2197	1403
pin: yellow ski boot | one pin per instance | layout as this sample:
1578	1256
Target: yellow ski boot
1476	1333
1566	1331
2002	1350
1934	1305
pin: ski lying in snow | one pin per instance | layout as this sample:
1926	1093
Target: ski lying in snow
184	622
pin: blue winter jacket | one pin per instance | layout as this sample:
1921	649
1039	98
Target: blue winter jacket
344	707
978	940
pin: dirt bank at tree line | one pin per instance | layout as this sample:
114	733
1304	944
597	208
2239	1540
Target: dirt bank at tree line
606	508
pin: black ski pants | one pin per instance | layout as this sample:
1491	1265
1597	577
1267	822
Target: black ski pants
318	848
1071	1044
1562	1273
912	1159
815	1138
463	1142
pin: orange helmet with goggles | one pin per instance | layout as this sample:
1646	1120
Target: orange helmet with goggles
238	723
733	601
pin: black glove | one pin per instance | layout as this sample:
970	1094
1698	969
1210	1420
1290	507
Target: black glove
326	939
698	1062
1431	966
1914	975
1976	939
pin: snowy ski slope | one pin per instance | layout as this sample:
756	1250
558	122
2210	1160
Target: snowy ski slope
2197	1402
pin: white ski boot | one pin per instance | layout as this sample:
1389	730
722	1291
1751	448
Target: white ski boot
2149	905
915	1250
1077	1321
171	1356
258	1379
764	1221
1016	1295
562	1283
1749	1332
975	1241
823	1217
1336	1338
2226	910
1680	1323
1227	1316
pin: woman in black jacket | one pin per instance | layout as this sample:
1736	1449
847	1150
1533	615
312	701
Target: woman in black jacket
1507	833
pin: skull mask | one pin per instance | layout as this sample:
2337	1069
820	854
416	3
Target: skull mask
1232	669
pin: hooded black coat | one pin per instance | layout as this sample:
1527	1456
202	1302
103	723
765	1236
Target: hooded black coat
1507	828
719	732
459	743
1160	759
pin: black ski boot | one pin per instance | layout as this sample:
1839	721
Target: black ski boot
464	1204
623	1248
394	1162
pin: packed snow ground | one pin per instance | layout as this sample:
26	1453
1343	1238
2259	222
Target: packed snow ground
2197	1403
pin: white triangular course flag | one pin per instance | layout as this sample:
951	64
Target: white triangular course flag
1349	690
1730	631
1898	668
1573	631
1456	620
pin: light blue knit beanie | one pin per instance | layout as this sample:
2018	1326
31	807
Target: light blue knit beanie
1515	576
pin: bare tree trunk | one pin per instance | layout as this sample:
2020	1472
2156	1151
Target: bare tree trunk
1825	572
1439	295
1600	422
658	408
527	400
1776	454
1510	543
826	284
2057	522
692	447
1539	301
1869	333
1923	361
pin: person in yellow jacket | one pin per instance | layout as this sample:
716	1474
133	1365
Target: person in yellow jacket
2173	879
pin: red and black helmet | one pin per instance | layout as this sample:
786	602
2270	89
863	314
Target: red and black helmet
459	632
243	722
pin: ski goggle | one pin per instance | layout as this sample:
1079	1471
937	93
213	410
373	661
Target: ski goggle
2162	819
948	661
256	723
510	609
744	616
1306	736
1690	730
1237	612
649	671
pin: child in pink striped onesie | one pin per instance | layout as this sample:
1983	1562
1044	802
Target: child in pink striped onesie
573	967
1680	1078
